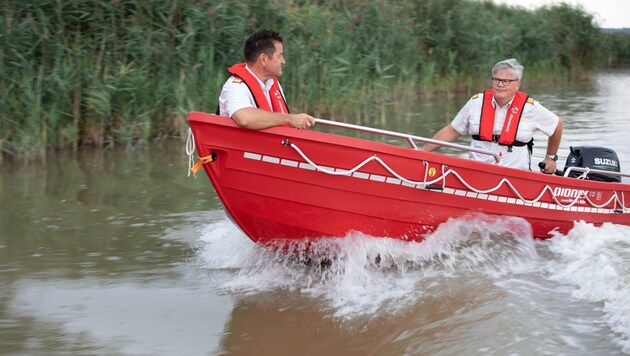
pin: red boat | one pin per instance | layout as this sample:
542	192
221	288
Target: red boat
283	183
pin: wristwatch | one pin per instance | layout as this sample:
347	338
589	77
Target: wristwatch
553	157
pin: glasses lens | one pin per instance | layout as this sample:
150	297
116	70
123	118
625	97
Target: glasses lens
497	81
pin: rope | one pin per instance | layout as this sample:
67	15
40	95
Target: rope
190	151
349	172
584	174
581	194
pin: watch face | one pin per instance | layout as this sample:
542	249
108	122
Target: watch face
553	157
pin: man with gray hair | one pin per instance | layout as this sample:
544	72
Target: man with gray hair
503	120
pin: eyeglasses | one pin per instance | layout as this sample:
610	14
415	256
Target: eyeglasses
497	81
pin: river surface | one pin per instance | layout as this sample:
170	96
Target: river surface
118	252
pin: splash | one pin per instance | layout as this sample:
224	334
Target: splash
596	260
365	275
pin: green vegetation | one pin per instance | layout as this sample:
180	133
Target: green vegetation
87	72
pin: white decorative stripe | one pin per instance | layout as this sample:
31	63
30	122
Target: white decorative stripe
288	162
308	166
444	190
271	159
377	178
253	156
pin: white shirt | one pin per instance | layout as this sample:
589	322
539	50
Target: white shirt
535	118
235	94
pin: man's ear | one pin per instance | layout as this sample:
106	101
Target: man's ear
263	58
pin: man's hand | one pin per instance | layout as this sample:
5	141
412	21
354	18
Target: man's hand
550	166
301	121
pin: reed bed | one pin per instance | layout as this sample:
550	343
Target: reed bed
77	73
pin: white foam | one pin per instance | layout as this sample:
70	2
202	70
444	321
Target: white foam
596	260
370	275
225	246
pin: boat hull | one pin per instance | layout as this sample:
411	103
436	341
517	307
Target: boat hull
283	183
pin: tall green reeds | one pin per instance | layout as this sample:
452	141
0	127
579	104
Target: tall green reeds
88	72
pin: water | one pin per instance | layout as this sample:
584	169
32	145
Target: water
119	253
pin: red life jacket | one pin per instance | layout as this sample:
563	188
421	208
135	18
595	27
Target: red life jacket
512	119
278	103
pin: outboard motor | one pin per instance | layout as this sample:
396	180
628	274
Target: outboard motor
600	158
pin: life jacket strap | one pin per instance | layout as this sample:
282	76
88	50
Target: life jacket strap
495	139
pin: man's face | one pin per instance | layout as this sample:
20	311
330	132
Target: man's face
273	65
504	86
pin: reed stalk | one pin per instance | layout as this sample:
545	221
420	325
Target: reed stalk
93	73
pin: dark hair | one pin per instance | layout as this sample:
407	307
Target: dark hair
261	41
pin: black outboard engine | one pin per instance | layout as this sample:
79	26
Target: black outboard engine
601	158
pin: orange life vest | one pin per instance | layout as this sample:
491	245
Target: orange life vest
278	103
512	119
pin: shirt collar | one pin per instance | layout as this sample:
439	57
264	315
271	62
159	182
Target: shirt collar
495	104
266	85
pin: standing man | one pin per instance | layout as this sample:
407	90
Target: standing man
503	120
252	96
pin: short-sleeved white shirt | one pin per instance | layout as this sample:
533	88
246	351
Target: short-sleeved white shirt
235	94
535	117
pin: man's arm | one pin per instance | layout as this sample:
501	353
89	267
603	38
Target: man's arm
447	134
553	144
257	119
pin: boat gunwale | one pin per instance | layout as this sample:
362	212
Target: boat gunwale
445	158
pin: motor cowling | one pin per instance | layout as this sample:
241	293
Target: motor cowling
600	158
